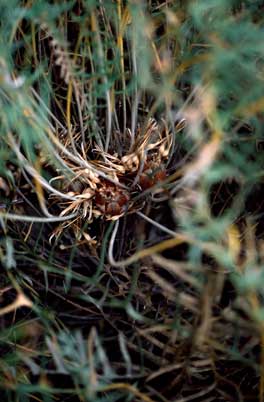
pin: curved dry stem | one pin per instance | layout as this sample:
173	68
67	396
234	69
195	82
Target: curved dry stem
33	172
130	388
156	224
26	218
146	252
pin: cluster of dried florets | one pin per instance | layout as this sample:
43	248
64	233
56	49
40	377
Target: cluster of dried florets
109	187
111	200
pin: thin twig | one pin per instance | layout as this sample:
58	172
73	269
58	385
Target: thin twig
26	218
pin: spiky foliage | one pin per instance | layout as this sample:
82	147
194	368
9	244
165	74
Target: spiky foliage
131	211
